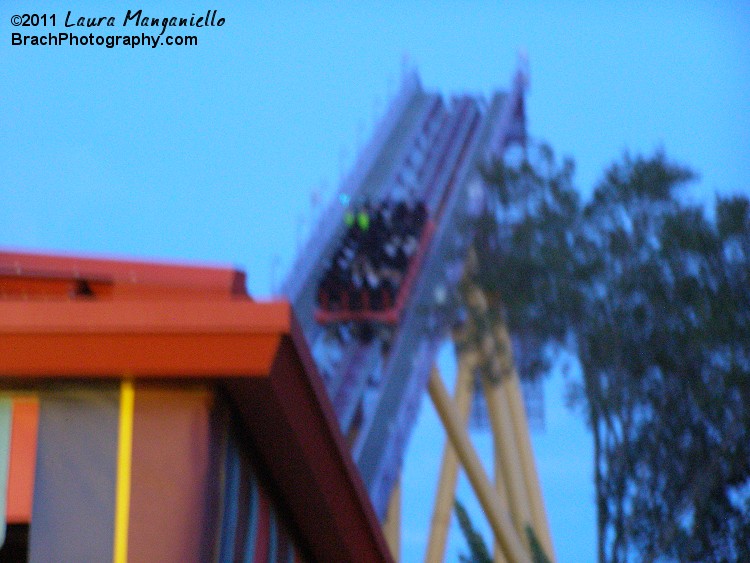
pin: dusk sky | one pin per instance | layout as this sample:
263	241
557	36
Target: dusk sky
211	153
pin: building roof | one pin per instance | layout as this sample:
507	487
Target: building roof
81	318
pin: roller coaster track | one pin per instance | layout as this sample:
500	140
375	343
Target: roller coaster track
430	149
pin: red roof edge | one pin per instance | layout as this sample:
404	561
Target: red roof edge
296	429
256	351
132	273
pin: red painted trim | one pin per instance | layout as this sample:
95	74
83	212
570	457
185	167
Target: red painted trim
146	316
327	417
327	501
414	267
144	338
23	439
263	530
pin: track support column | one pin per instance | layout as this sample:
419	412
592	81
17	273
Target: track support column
520	429
500	521
446	490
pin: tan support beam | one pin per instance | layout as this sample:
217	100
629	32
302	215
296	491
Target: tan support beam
523	440
500	486
500	522
498	355
392	524
500	363
505	444
446	490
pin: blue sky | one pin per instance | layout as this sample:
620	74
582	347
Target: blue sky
210	153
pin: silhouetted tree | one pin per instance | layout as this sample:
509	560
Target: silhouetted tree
653	297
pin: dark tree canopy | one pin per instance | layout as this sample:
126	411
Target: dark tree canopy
652	294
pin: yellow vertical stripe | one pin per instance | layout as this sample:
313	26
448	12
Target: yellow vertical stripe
124	454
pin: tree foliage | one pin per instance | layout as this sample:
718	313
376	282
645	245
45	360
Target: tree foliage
478	552
653	296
